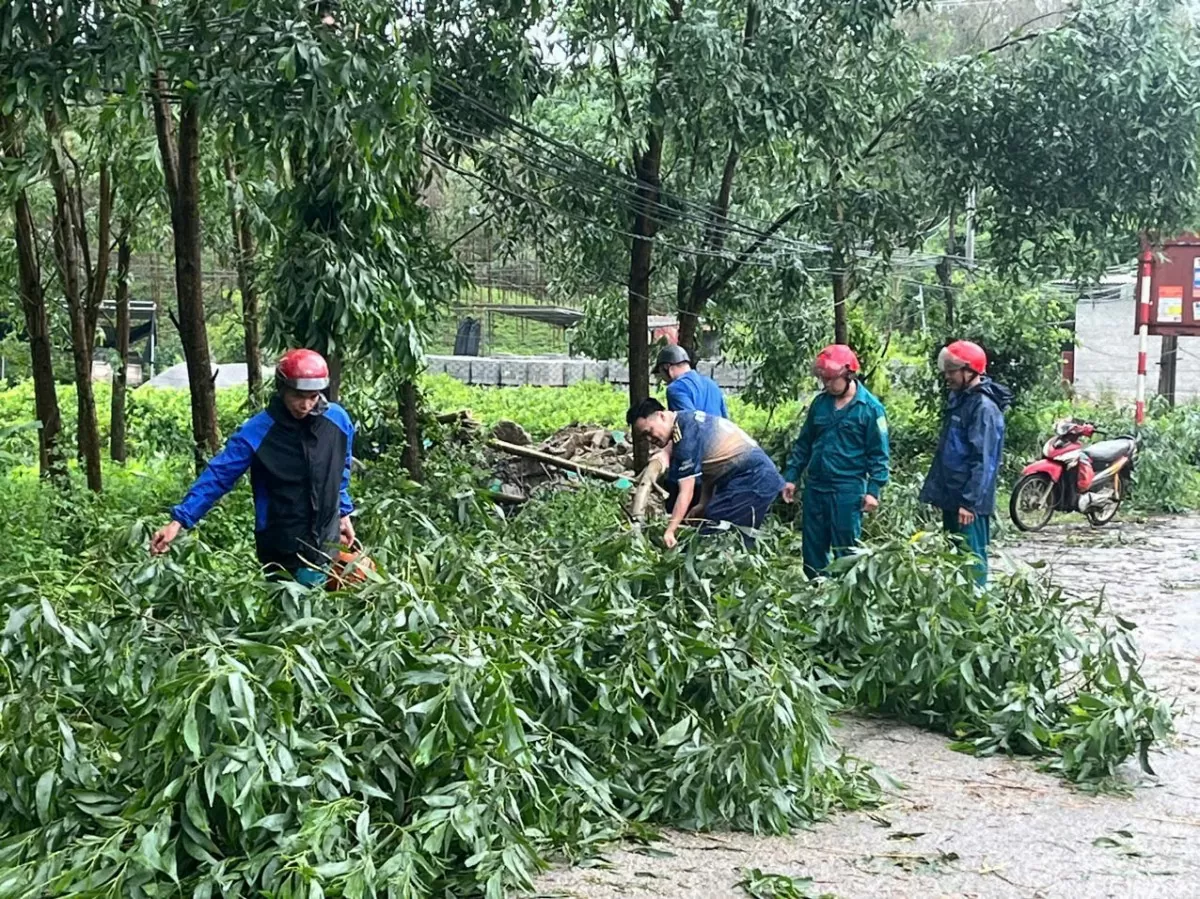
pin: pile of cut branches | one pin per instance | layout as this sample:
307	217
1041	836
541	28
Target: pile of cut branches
499	693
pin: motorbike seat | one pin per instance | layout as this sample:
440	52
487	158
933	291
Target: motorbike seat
1106	452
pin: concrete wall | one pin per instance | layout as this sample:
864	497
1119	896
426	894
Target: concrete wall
1106	349
558	371
494	371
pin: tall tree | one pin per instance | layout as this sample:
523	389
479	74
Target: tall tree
180	151
41	70
33	300
355	268
140	211
245	258
117	448
83	280
831	150
1078	141
722	126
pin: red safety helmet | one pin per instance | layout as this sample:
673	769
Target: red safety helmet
835	360
304	370
962	354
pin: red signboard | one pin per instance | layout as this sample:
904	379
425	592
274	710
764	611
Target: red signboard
1174	301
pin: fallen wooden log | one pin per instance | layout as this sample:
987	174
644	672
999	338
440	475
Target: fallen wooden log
547	459
647	481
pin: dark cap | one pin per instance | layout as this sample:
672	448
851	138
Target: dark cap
672	354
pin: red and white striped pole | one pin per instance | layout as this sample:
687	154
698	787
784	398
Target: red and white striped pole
1143	321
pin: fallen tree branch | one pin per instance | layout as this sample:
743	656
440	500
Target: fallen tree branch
510	499
547	459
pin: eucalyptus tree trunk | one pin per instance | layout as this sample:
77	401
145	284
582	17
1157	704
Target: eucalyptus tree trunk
243	241
181	171
121	374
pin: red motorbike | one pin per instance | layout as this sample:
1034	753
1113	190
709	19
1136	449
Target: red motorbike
1072	477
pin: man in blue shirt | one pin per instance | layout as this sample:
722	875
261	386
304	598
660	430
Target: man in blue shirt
843	447
739	480
962	480
687	391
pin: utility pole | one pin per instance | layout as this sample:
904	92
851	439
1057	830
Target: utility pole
1143	320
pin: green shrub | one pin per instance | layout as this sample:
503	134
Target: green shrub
158	421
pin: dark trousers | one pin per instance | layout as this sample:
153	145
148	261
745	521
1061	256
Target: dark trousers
744	497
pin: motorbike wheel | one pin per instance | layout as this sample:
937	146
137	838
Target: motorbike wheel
1032	503
1099	516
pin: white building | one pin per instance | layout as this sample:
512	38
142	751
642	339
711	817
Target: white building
1106	347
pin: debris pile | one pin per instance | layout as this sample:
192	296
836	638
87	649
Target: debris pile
567	455
578	451
597	447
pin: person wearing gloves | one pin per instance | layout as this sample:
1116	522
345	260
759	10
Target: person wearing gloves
842	450
962	479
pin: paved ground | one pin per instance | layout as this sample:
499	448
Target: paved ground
990	828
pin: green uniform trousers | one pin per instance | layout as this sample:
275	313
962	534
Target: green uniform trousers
976	536
832	525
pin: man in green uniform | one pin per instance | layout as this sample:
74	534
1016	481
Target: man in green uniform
843	447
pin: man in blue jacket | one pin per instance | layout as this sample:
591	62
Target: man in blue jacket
843	447
298	453
687	391
962	480
739	480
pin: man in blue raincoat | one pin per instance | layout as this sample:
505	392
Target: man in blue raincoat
843	448
738	480
687	391
962	480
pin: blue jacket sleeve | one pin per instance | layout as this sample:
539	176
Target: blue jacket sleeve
801	450
878	451
680	399
985	435
215	481
346	505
